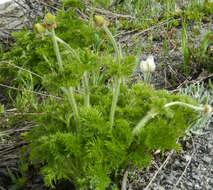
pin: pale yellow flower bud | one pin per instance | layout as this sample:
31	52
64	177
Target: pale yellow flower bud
207	109
49	18
39	28
100	21
49	21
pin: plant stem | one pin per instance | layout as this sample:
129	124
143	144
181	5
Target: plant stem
91	15
57	51
147	77
125	179
68	46
151	114
71	99
117	79
185	49
116	89
115	46
184	104
85	77
86	89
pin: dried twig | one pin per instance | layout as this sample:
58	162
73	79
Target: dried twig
155	26
19	4
108	13
84	17
137	33
159	169
51	6
12	131
188	82
19	113
30	91
124	33
125	178
187	165
22	69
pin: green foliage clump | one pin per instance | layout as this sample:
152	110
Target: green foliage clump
73	70
194	11
1	50
80	4
73	3
89	154
27	53
202	54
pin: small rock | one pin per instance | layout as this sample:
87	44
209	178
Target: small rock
14	24
207	159
197	186
187	157
189	184
161	187
196	177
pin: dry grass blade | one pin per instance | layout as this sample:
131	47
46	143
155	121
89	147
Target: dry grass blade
30	91
159	169
187	165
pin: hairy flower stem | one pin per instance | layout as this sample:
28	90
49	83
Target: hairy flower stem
147	77
86	89
117	79
184	104
85	77
74	54
71	98
116	89
57	51
152	113
115	46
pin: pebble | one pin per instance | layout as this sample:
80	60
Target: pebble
207	159
187	157
196	177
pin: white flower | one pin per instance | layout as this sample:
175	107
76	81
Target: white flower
148	65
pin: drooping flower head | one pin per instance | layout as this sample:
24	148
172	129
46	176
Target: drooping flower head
39	28
207	109
49	21
100	21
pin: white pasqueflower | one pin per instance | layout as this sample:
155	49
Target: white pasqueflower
148	65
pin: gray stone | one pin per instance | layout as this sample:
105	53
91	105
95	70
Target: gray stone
196	177
207	159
